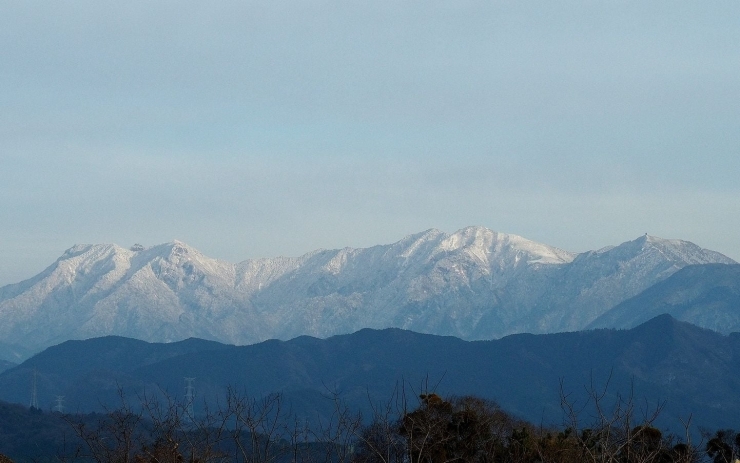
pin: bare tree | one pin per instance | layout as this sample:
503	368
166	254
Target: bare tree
380	441
115	437
260	427
607	429
156	432
620	431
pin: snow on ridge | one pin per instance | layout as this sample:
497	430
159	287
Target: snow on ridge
676	250
483	243
486	282
82	252
417	241
603	250
542	253
652	239
337	263
477	241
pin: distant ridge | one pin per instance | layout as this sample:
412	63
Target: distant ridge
5	365
694	370
705	295
473	284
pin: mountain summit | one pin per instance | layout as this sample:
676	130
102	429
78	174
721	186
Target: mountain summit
474	284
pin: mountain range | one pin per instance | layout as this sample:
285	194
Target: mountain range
473	284
691	371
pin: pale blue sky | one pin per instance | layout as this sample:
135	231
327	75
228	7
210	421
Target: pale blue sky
255	129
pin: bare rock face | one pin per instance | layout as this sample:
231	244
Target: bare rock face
474	284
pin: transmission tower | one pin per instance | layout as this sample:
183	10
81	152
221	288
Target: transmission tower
189	396
34	395
60	404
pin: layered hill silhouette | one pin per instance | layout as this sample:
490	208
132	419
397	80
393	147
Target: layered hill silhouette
694	370
472	284
5	365
704	295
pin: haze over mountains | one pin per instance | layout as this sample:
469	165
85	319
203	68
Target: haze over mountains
473	284
704	295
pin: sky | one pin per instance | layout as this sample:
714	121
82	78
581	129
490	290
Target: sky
260	128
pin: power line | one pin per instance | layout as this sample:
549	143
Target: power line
60	404
189	396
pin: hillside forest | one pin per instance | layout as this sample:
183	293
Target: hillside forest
433	430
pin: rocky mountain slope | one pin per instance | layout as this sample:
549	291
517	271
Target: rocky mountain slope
705	295
474	284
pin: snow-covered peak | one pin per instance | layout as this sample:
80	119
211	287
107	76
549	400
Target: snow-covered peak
473	283
91	251
651	240
483	243
85	258
685	252
173	248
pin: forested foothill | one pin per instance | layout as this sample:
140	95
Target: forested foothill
664	391
693	371
414	428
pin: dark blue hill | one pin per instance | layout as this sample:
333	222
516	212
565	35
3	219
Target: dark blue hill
6	365
89	373
696	371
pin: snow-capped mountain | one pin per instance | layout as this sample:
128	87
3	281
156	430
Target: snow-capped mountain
474	284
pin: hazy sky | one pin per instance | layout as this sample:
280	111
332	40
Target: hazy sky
263	128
